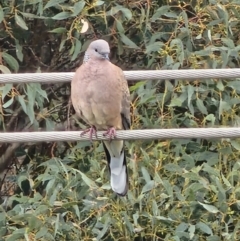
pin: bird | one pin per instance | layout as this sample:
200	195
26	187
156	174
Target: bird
101	98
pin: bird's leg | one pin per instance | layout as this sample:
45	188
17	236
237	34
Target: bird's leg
111	132
92	131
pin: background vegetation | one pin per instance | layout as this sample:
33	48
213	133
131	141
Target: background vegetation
179	189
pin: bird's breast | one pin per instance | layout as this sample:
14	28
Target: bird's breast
98	98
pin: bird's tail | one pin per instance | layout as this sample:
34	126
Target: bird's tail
117	166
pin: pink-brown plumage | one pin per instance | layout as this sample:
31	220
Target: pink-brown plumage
100	96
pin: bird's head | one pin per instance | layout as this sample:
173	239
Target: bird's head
99	50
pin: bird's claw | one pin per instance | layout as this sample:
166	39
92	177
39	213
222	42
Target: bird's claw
111	132
92	131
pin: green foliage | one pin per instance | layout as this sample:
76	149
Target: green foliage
179	189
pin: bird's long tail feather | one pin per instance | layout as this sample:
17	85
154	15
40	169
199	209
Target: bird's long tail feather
117	166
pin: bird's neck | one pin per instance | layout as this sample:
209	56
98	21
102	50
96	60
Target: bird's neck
86	58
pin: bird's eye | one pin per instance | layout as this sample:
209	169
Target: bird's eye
95	50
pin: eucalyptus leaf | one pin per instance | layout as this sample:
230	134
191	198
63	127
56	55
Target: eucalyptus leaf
33	16
148	186
4	69
99	3
119	26
19	21
160	11
19	50
201	106
6	89
62	15
146	175
78	7
1	14
87	180
127	41
154	47
58	30
52	3
41	233
210	208
204	228
126	12
77	49
8	103
11	61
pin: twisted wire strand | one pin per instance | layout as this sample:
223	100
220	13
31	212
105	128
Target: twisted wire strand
130	75
148	134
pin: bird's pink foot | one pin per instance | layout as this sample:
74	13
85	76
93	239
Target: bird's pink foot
92	131
111	132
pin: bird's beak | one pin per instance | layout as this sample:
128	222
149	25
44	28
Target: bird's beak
105	56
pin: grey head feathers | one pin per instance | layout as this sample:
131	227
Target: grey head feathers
97	50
